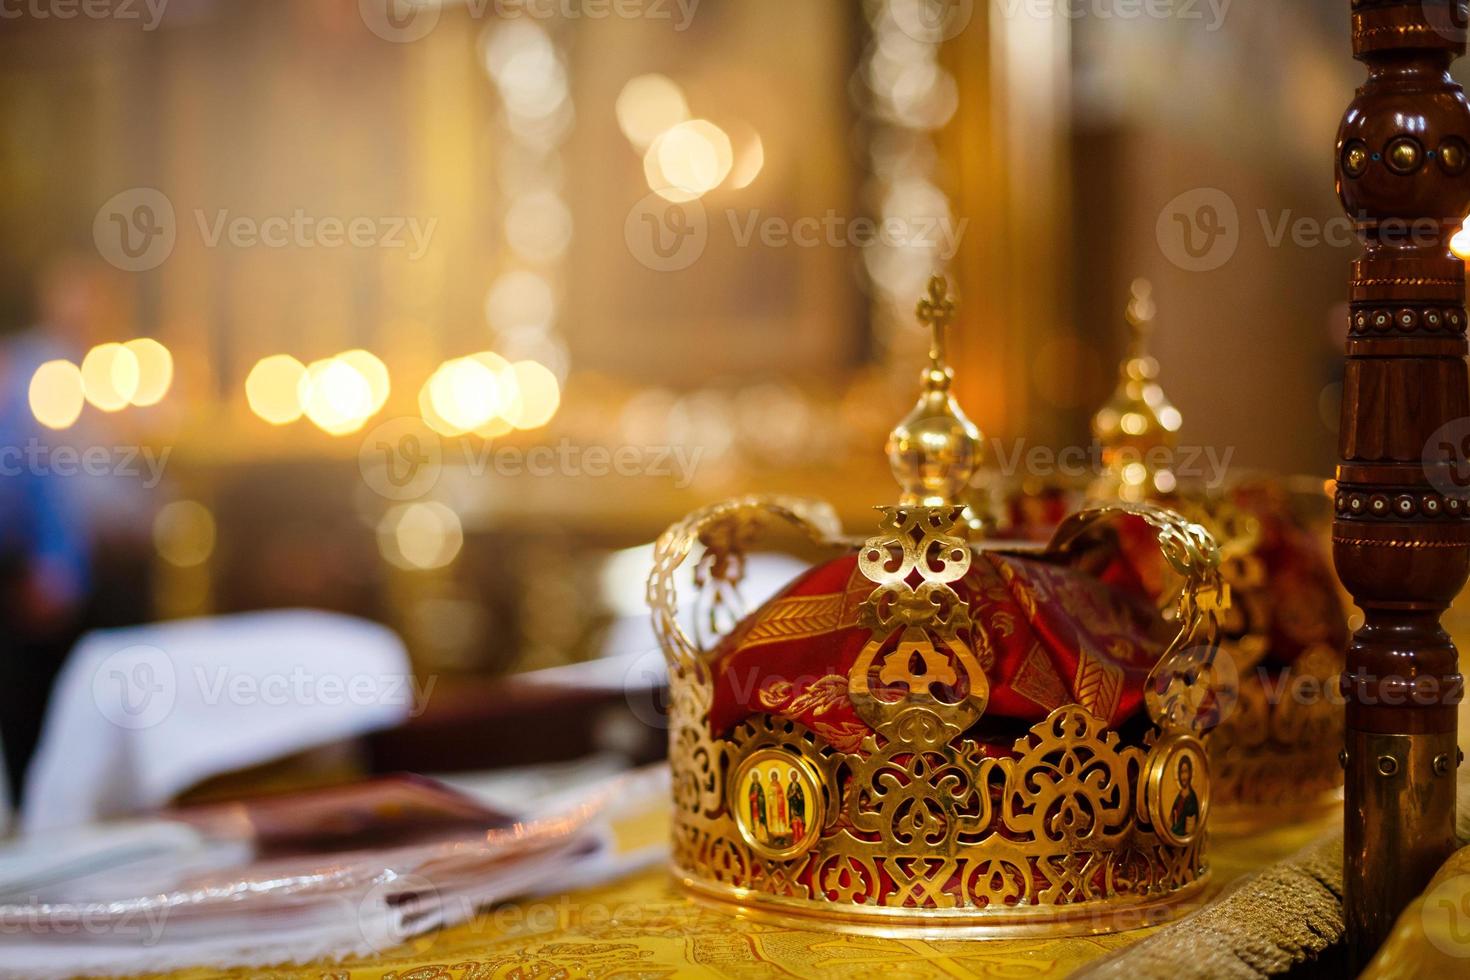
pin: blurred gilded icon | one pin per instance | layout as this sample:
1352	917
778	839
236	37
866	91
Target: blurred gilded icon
777	803
1179	796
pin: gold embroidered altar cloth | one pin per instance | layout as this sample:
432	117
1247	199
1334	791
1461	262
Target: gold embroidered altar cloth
645	926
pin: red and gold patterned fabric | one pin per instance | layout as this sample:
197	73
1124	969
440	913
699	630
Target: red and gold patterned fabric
1290	595
1306	608
1058	634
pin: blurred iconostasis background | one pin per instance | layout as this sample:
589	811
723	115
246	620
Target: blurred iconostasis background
381	308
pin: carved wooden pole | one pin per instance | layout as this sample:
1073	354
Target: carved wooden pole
1401	539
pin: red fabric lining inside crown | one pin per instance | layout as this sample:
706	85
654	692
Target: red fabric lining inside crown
1306	606
1059	634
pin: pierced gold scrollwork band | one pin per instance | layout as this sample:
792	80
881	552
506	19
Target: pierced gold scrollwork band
723	530
931	664
917	822
1183	678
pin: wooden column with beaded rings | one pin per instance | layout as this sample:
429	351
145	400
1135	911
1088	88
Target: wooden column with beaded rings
1401	538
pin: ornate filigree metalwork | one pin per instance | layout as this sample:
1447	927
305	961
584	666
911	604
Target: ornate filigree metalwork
1183	681
931	826
929	663
921	822
723	531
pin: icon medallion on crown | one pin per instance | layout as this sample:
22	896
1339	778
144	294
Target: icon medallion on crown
929	730
1274	743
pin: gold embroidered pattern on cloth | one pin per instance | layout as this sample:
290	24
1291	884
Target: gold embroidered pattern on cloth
1278	745
795	618
920	823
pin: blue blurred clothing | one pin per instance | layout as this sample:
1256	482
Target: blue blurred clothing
45	525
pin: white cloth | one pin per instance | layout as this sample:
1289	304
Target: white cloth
140	714
297	909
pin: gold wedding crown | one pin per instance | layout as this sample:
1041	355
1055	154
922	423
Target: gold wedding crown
1274	751
1274	746
924	731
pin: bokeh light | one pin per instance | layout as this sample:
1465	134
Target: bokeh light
688	161
335	396
1460	243
420	536
520	299
537	395
155	371
110	376
56	395
522	61
272	388
648	106
494	428
184	533
538	226
465	393
429	413
375	372
750	156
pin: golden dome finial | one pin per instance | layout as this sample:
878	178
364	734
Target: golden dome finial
935	450
1138	427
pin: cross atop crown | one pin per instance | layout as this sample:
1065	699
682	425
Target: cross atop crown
935	449
936	311
1140	314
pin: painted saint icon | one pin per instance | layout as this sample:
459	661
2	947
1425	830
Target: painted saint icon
775	801
1179	789
1184	813
758	806
796	809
